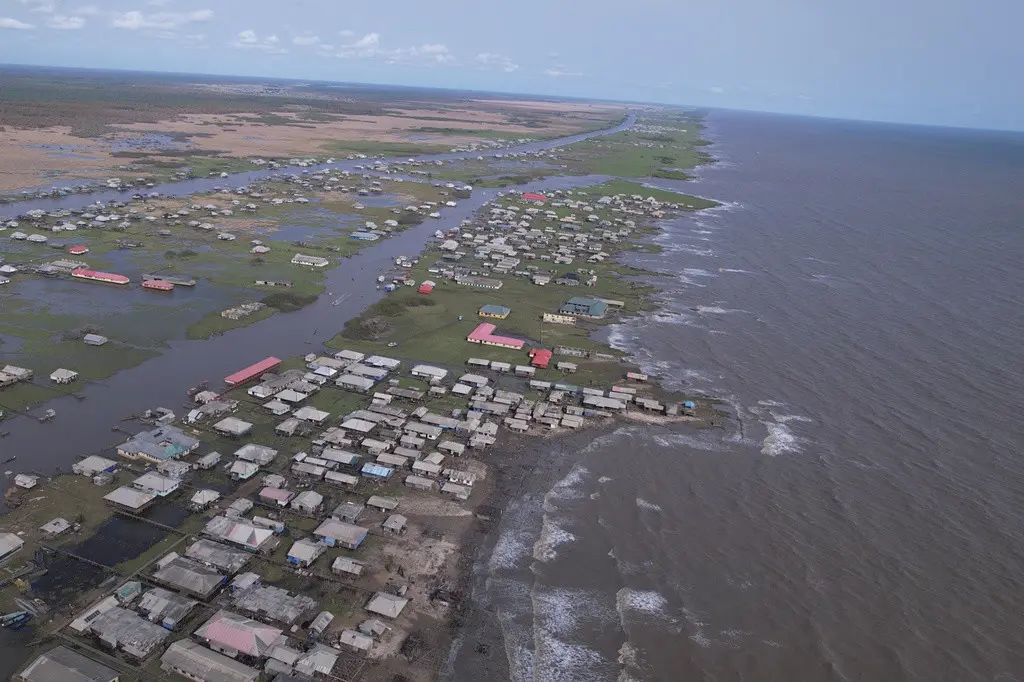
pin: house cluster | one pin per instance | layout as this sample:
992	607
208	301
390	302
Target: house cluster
206	618
527	235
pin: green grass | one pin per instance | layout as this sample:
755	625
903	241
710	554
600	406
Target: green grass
641	153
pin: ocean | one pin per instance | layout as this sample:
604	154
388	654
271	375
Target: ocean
857	303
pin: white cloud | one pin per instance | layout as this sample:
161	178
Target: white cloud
560	73
41	6
717	89
486	60
8	22
306	39
135	20
367	42
248	40
66	23
368	47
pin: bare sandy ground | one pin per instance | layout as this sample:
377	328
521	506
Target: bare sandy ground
34	158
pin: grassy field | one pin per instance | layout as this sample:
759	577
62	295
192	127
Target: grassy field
663	146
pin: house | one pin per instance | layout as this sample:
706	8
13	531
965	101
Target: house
377	471
304	552
307	502
312	261
590	308
540	357
158	485
9	545
320	624
192	660
459	492
129	499
356	640
260	455
223	558
160	444
123	630
555	318
232	427
381	503
451	447
420	483
63	376
243	471
349	512
275	604
334	533
208	461
498	312
311	414
233	634
94	340
395	523
62	664
484	334
347	567
276	496
429	372
165	608
351	382
387	605
242	534
480	282
188	575
341	479
92	465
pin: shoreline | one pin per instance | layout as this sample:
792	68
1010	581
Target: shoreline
515	469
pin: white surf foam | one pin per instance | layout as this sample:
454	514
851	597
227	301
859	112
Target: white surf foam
647	602
716	310
552	536
779	441
738	271
649	506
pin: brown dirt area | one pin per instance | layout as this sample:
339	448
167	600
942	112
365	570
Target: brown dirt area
32	157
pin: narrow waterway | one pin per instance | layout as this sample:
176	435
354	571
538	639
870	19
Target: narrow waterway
83	426
200	185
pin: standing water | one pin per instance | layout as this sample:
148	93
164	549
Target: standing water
857	304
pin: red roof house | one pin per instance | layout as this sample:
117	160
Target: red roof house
78	250
533	196
540	357
484	333
425	288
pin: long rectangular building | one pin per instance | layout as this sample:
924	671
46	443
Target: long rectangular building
252	371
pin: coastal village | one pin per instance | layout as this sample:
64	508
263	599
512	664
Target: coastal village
325	500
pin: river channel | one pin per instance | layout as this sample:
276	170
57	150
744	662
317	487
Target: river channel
82	426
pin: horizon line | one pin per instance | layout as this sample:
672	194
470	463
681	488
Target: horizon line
533	96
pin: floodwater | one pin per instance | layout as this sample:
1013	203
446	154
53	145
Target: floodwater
187	187
857	305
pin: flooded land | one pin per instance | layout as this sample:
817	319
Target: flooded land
260	423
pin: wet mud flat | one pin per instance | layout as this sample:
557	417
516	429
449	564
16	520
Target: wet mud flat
521	467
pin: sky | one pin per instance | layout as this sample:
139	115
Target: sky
956	62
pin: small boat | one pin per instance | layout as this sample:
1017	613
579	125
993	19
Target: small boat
202	386
48	415
10	459
15	620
